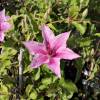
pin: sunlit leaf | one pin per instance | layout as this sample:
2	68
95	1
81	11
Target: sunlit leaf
68	85
79	27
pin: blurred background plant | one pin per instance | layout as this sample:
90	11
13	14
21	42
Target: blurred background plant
80	78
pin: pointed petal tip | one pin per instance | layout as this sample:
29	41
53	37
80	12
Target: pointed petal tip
2	11
70	31
77	57
67	33
68	54
59	76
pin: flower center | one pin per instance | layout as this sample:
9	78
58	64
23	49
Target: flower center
51	52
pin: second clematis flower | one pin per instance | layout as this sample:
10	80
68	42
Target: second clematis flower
4	25
51	50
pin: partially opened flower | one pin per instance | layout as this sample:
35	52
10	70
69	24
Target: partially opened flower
51	50
4	25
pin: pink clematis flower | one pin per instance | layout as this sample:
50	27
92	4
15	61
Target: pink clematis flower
51	50
4	25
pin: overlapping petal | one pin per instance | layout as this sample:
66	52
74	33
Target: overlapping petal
67	54
35	47
54	66
38	60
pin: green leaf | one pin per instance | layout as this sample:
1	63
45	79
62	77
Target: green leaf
5	64
73	11
71	87
7	52
70	95
33	95
94	71
42	87
73	2
97	34
46	81
79	65
64	96
37	74
84	14
28	89
84	3
4	97
79	27
54	78
85	42
3	89
33	23
52	27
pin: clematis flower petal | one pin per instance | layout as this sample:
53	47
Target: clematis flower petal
67	54
35	47
5	26
54	66
38	60
7	17
60	41
1	36
48	35
2	15
51	50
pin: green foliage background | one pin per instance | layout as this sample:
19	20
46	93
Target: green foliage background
60	16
